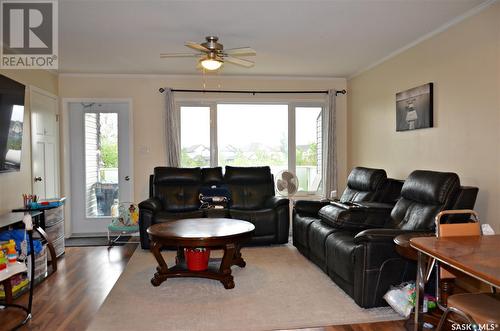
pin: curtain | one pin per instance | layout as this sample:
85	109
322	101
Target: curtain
330	147
172	130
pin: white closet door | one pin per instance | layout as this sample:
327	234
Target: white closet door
44	143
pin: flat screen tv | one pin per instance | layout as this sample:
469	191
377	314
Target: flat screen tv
11	124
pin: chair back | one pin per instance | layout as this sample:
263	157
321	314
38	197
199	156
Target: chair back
471	228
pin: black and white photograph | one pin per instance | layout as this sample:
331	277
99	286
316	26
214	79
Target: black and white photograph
414	109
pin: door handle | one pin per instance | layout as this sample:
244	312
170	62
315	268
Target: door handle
38	179
127	178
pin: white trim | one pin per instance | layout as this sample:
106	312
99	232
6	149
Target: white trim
198	76
442	28
44	92
66	158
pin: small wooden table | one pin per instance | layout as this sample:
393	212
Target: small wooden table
214	233
476	256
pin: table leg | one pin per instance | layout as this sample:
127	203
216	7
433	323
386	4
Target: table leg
180	258
419	288
225	266
52	251
161	275
238	259
7	287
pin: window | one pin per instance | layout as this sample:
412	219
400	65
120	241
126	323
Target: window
308	148
101	162
280	135
195	137
253	135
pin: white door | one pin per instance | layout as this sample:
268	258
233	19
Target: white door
44	144
101	163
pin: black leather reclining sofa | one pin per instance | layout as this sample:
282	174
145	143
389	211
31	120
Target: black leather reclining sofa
352	240
174	194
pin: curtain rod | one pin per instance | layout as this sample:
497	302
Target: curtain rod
161	89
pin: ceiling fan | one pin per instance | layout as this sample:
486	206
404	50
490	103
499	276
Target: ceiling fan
212	54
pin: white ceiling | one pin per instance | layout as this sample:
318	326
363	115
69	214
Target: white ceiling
292	38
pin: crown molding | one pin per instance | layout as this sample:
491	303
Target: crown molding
474	11
199	76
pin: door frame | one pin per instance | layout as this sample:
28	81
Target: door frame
66	146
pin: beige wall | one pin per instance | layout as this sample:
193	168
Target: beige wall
13	184
148	106
464	64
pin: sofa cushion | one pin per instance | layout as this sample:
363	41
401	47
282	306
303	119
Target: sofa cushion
177	188
173	175
340	248
212	176
351	219
424	194
301	226
430	187
364	184
318	233
250	187
264	220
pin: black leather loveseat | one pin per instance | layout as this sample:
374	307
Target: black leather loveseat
174	194
361	257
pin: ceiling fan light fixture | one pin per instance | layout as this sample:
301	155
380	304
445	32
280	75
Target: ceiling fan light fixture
211	64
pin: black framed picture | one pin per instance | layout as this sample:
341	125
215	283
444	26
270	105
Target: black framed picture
414	108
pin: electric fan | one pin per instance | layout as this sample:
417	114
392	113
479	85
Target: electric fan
287	184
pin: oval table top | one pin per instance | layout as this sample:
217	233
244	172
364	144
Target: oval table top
201	228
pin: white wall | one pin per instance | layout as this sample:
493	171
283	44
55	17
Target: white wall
464	64
148	107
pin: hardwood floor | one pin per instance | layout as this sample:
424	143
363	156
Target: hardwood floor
69	299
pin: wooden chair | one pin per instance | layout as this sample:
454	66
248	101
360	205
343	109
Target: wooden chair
445	278
475	308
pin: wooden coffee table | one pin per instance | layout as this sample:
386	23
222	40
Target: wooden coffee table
213	233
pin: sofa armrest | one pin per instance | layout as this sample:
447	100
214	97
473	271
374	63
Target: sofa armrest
309	207
376	206
383	235
151	204
274	202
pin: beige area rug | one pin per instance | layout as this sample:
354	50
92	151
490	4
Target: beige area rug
278	289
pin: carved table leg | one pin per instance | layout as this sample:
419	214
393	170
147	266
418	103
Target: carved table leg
180	258
238	259
225	266
447	285
162	269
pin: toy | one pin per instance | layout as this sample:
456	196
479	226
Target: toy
11	251
3	260
128	214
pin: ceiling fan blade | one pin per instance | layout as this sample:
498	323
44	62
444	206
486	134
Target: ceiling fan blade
240	62
197	47
241	51
167	55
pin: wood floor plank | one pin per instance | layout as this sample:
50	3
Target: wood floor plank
70	298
